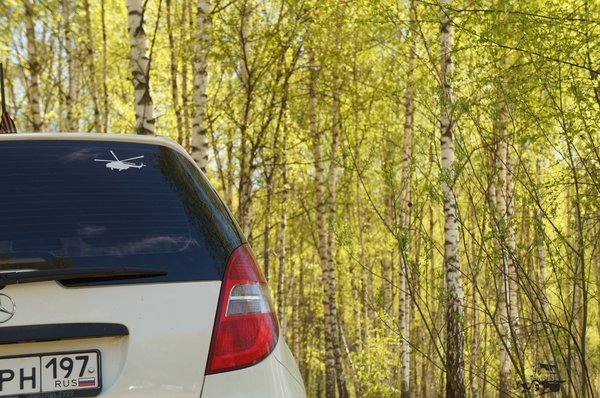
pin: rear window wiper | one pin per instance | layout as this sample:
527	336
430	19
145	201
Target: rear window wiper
79	274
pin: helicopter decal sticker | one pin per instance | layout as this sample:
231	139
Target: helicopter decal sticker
121	165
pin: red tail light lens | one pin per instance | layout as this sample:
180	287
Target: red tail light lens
246	328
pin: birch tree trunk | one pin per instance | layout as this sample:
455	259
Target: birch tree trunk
477	253
507	246
580	284
59	78
269	181
282	250
34	66
405	207
229	173
455	372
475	345
282	253
72	89
186	20
92	67
511	251
199	145
541	248
174	67
246	150
140	62
391	285
296	325
325	217
500	227
321	218
596	265
104	70
541	252
329	275
360	323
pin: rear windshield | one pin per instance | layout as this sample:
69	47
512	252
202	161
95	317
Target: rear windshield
102	204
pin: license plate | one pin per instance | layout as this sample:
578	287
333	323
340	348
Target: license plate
72	374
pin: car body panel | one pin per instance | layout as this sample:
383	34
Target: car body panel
274	377
166	350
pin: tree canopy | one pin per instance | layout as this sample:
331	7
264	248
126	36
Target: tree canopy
323	127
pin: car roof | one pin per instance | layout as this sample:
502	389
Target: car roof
134	138
150	139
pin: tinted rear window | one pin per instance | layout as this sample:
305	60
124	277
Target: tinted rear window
102	204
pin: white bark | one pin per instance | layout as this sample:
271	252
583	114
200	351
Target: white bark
246	156
362	325
174	68
541	249
73	86
330	278
475	346
455	373
540	240
580	287
199	145
512	246
334	372
405	207
187	20
282	253
104	69
321	219
505	230
140	61
33	91
92	66
500	227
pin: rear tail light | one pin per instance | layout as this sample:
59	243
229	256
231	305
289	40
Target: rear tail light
246	328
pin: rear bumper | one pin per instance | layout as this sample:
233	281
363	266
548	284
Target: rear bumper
275	377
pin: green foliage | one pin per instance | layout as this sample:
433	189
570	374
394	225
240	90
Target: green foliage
538	61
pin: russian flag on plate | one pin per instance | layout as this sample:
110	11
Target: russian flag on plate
87	382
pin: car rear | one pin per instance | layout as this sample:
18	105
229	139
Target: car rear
122	273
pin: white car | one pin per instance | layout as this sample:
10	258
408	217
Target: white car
123	274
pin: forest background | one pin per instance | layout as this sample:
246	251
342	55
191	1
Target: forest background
418	178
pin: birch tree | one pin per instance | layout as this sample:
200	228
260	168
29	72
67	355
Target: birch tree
91	58
140	68
199	145
325	217
247	149
500	224
174	68
405	203
541	262
323	140
455	373
329	277
321	213
73	75
34	67
104	68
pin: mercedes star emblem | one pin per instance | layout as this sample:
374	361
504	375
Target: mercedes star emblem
7	308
